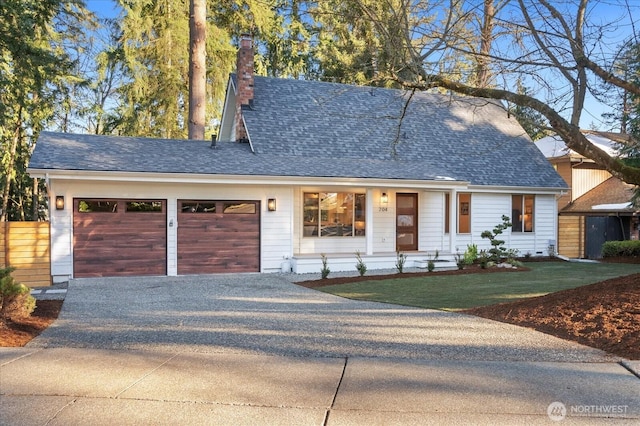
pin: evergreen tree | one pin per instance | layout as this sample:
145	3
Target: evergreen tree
35	70
155	46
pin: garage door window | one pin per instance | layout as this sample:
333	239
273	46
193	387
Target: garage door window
97	206
240	208
144	206
198	207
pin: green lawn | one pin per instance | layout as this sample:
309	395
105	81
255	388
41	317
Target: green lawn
457	292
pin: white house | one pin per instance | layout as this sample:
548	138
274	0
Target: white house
300	169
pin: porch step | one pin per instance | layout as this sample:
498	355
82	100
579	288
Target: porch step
439	265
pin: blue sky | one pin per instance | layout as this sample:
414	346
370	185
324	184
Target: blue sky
103	8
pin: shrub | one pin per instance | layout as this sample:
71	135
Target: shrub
401	258
469	257
15	298
484	259
497	250
431	265
360	266
629	248
471	254
325	266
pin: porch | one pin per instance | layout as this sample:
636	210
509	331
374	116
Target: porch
343	262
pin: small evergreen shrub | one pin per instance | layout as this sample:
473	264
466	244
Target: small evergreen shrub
15	298
629	248
497	250
484	259
431	262
401	259
360	265
325	266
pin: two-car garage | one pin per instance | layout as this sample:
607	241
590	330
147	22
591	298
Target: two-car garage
129	237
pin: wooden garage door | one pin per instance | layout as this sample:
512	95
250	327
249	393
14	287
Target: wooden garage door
119	237
218	236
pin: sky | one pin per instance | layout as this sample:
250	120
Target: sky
103	8
593	110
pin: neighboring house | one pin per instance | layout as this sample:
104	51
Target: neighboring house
597	208
301	168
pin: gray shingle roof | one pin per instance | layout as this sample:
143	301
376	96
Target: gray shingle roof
305	128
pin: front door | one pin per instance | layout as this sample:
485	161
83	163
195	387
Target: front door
406	222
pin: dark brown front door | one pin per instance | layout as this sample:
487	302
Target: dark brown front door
406	222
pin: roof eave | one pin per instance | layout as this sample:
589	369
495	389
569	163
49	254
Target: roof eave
119	176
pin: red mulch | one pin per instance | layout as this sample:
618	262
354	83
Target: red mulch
604	315
19	332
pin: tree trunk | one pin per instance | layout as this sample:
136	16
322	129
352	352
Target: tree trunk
486	37
197	68
10	169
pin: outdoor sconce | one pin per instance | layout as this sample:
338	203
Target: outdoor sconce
384	199
59	202
271	204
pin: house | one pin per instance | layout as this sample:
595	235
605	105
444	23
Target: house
300	169
597	207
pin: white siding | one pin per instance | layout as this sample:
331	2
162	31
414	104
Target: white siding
432	236
172	236
584	180
277	229
384	222
61	237
487	211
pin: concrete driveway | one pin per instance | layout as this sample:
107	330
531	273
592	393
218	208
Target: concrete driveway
257	349
267	314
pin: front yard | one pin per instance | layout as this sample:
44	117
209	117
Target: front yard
458	292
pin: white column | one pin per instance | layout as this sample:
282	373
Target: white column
453	219
172	236
369	222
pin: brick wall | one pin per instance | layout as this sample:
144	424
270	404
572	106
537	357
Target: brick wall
244	71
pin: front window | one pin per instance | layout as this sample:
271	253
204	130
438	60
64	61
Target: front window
334	214
522	209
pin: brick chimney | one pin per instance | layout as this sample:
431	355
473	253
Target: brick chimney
244	70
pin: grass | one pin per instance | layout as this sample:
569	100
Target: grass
456	292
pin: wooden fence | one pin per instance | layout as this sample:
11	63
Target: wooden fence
25	246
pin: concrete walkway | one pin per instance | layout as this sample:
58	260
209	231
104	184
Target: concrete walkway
256	349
